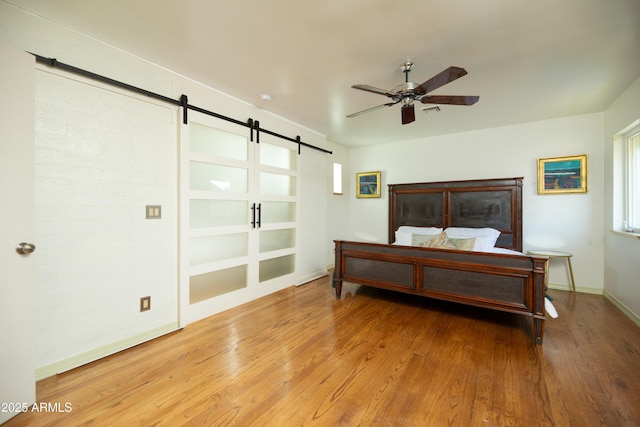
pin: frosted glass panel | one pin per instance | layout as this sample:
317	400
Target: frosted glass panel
217	178
209	285
217	248
217	213
277	239
207	140
276	267
277	212
277	185
272	155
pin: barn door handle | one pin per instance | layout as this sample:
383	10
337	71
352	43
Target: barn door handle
253	215
259	215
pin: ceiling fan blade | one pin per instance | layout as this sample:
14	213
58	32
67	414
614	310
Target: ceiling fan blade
368	110
449	99
447	76
373	89
408	114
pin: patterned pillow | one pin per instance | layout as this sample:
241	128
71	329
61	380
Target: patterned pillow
463	244
404	233
422	240
485	237
441	241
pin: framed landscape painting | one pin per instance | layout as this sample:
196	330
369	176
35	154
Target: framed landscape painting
560	175
368	184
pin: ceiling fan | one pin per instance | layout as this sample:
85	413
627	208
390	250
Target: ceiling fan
408	92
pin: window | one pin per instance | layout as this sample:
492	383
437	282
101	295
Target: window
632	176
337	178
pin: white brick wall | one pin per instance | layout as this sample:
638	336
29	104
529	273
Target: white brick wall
101	157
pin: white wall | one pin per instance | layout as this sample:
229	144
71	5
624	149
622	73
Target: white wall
621	253
338	205
97	257
313	210
572	222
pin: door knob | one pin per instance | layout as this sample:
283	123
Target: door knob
25	248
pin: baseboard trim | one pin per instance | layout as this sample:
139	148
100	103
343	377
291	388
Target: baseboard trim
311	277
592	291
623	308
102	351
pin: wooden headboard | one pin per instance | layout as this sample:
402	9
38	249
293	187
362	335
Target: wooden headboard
495	203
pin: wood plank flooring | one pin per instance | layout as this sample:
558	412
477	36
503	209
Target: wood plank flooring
300	357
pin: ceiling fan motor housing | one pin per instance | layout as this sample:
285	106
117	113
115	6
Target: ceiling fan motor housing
406	89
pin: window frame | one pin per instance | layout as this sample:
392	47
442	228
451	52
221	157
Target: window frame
337	179
631	221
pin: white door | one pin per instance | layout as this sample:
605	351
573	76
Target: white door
241	201
220	235
17	370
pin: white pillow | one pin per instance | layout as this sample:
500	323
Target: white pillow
486	238
403	238
404	234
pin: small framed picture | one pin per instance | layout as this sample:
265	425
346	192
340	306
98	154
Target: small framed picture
368	184
561	175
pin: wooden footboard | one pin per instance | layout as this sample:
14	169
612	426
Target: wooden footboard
511	283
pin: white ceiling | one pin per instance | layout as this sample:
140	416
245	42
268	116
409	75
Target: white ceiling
527	60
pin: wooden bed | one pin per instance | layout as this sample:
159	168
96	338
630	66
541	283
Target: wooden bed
512	283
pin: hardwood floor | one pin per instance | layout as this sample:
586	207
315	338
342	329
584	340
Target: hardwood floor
373	358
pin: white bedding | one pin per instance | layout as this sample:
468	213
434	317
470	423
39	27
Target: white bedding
504	251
